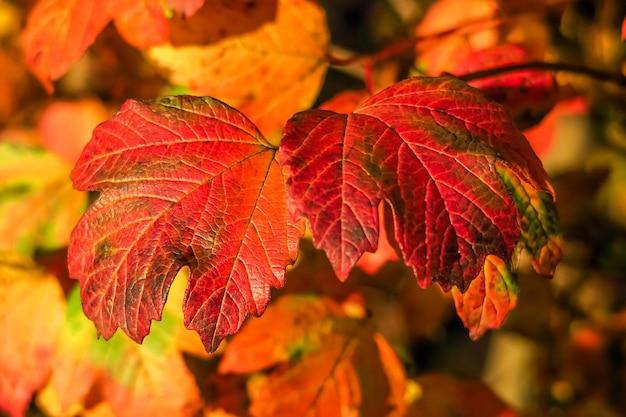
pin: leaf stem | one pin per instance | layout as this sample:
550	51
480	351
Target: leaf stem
597	74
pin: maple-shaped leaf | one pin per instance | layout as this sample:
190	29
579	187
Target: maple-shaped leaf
319	362
30	321
461	180
183	181
268	74
36	194
135	380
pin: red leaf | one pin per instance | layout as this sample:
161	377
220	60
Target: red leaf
184	181
489	298
624	30
371	263
431	148
529	95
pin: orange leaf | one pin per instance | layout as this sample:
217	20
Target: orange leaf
219	19
489	298
142	23
37	196
267	74
290	332
135	380
32	313
452	29
324	364
58	32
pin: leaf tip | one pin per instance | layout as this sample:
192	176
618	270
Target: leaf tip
489	299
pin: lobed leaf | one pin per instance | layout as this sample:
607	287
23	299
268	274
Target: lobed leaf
184	182
434	150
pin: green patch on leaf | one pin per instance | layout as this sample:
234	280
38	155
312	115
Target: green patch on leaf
538	221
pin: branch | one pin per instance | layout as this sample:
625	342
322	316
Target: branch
597	74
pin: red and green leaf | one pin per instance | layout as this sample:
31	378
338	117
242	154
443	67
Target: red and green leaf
184	182
434	150
489	298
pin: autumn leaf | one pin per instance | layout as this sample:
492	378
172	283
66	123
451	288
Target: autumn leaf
147	379
454	169
268	74
624	29
219	19
321	363
142	23
32	313
184	181
58	32
445	37
529	95
36	194
489	298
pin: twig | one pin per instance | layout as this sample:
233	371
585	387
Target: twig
597	74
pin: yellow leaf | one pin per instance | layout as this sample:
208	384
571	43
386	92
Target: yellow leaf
269	74
31	316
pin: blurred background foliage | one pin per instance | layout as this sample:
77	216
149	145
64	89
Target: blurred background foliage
562	352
